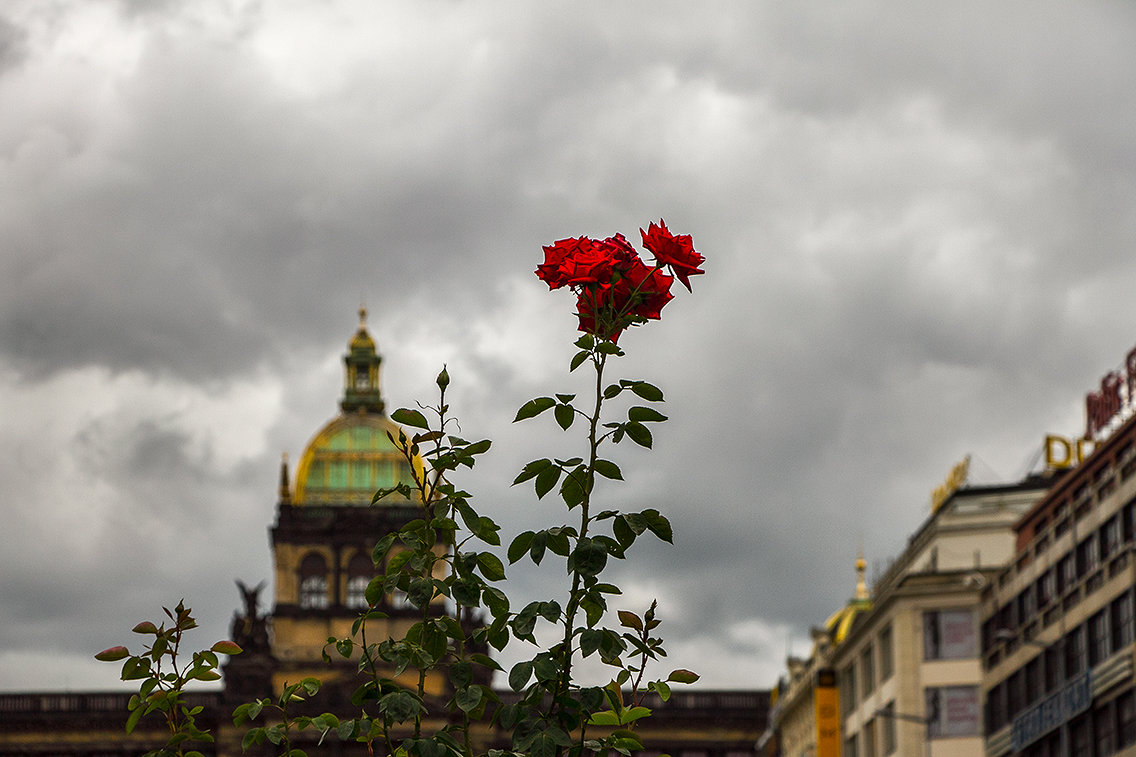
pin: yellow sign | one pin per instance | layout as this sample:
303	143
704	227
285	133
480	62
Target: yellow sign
954	481
827	702
1062	453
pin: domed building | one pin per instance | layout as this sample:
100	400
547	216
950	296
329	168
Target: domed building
325	529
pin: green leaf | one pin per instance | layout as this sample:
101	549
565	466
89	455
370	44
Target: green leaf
466	593
607	717
547	479
577	360
660	688
531	469
407	417
564	416
400	705
491	566
254	736
146	627
659	525
536	550
534	408
133	719
550	610
520	675
638	433
590	641
546	667
608	469
647	391
374	591
612	391
631	714
627	741
682	676
589	557
573	488
645	414
519	546
468	698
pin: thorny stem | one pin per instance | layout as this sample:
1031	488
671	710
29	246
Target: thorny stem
599	360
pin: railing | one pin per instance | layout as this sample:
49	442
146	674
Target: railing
32	704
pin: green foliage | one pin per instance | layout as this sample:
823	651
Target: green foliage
164	673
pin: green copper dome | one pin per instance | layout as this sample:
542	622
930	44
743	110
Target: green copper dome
348	460
352	457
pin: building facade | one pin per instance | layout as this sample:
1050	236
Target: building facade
905	656
1058	627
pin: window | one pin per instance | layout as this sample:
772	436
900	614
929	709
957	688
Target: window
1076	655
1052	668
1122	621
1110	537
887	729
313	582
996	708
1079	737
1098	637
1088	556
1126	719
1104	729
949	635
1066	573
848	689
359	573
1032	681
1014	701
867	674
1046	587
1027	605
887	664
870	738
952	711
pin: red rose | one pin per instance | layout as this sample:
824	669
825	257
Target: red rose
577	261
643	290
595	314
676	252
614	287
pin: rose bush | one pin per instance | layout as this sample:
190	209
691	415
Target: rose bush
439	558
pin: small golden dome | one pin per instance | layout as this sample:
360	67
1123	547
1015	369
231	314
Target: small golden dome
362	340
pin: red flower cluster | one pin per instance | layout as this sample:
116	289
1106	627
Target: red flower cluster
614	287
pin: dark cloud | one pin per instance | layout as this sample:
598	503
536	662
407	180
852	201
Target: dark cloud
917	230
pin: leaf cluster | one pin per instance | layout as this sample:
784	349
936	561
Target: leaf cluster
163	674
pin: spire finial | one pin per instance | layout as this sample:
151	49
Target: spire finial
362	316
285	490
861	568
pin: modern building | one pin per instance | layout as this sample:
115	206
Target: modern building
904	657
1058	626
321	542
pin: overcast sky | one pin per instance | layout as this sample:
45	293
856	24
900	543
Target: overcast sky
918	221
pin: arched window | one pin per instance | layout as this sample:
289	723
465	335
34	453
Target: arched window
313	582
359	573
